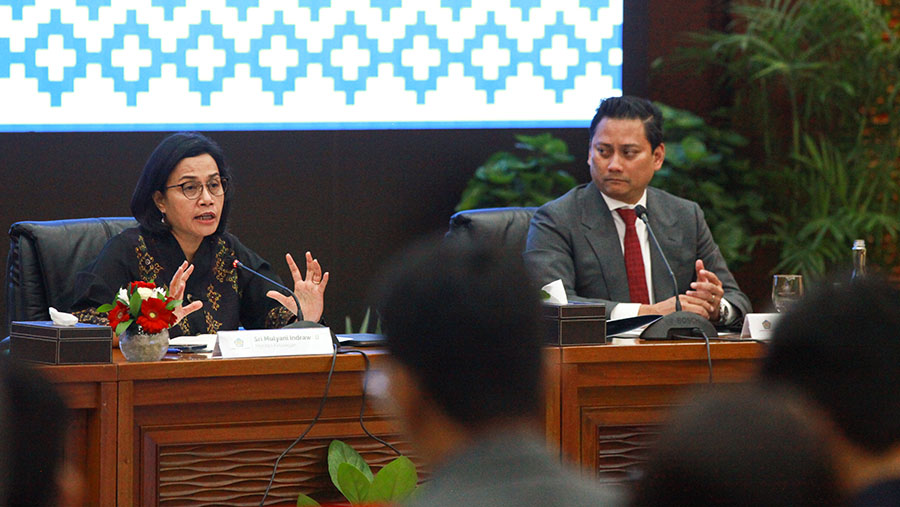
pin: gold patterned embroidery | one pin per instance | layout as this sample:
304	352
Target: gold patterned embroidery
91	316
212	325
147	265
278	316
223	268
213	297
185	327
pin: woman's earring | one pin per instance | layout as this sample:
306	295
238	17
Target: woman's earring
163	219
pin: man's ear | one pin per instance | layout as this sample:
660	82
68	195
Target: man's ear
659	154
160	201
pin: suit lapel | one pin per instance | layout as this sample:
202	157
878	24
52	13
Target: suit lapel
670	240
600	232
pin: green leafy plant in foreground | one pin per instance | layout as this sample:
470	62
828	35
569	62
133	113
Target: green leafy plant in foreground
351	475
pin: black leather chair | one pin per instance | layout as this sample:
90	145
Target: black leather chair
44	258
499	227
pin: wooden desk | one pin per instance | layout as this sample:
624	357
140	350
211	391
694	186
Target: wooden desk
612	398
207	432
90	392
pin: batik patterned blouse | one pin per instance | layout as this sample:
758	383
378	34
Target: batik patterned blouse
231	297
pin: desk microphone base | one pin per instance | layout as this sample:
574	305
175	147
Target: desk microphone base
676	324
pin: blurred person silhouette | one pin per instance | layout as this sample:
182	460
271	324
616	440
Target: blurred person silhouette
38	474
748	445
841	348
465	378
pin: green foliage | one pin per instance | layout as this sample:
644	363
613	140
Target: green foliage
134	304
364	326
352	483
704	164
816	84
305	501
394	483
509	180
339	453
843	198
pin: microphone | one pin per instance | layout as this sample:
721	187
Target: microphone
641	213
679	323
239	264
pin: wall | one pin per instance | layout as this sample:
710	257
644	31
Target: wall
351	197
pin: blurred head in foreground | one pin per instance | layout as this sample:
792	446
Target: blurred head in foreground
462	323
741	446
464	331
841	348
39	474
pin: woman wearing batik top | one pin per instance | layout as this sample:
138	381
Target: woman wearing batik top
181	202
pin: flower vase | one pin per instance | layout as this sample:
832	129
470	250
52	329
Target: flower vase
141	347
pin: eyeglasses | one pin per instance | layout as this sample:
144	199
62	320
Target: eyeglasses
193	189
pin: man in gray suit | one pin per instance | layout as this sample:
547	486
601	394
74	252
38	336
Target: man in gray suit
463	326
589	238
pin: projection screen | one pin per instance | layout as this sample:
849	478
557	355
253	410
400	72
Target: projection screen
131	65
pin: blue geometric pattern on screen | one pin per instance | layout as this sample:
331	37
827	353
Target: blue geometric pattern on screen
422	33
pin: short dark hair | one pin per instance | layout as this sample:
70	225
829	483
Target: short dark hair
629	107
841	346
744	445
172	150
464	318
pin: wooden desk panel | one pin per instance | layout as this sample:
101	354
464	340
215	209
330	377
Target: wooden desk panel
614	397
207	432
90	393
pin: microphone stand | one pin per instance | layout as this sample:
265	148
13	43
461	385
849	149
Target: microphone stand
679	323
239	264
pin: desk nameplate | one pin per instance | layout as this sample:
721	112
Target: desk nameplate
274	342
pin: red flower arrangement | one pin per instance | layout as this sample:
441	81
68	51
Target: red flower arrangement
144	305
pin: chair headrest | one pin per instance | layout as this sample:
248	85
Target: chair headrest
499	227
44	258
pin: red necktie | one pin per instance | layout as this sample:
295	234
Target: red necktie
634	260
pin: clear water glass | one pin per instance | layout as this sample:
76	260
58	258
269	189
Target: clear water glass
786	291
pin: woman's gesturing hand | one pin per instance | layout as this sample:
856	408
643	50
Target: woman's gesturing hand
176	290
310	291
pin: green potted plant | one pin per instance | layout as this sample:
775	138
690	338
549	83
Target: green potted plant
507	179
706	164
815	85
351	475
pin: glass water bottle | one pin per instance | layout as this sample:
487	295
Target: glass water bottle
859	259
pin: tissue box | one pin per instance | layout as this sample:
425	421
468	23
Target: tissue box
575	324
47	343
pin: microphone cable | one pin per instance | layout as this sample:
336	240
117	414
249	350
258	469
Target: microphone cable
708	351
362	407
707	339
308	428
239	264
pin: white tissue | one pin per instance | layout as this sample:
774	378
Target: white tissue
557	293
61	318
